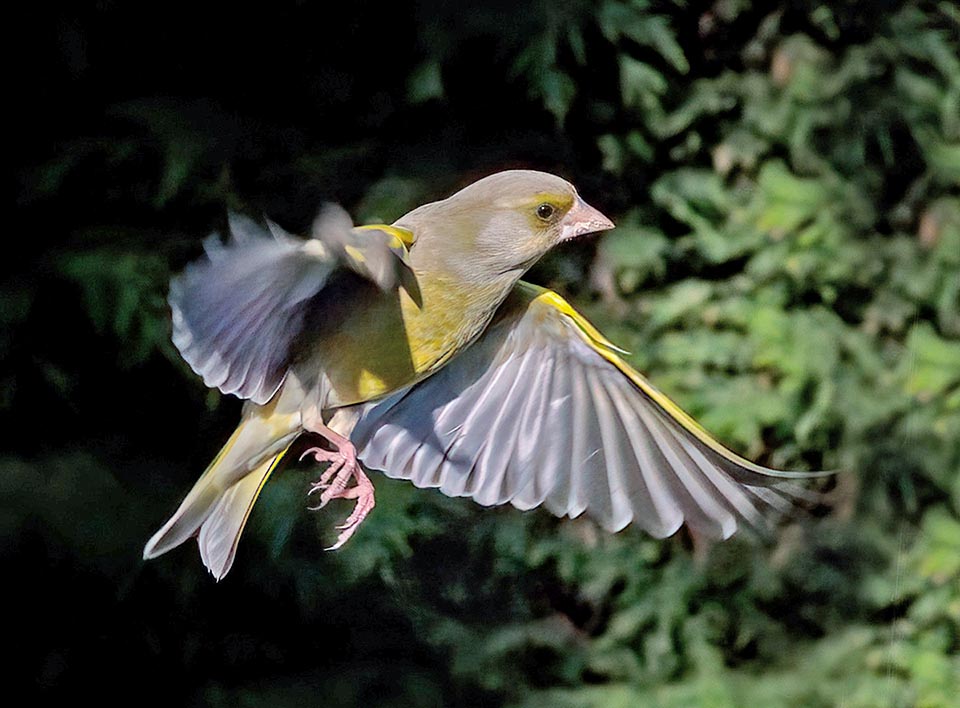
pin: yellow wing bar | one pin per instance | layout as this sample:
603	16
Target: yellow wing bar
403	236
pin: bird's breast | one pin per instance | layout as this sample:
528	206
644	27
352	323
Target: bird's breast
388	342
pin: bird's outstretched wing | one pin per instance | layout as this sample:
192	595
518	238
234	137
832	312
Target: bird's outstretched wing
238	311
543	410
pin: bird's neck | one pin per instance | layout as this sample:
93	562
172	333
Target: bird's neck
459	292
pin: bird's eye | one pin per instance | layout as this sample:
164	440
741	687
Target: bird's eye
545	211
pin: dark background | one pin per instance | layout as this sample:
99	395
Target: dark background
787	265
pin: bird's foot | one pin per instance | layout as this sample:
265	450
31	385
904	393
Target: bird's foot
362	491
342	463
333	485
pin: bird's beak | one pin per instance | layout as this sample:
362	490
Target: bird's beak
583	219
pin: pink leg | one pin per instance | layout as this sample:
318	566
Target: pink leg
333	482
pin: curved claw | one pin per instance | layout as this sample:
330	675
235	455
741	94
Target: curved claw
341	539
321	455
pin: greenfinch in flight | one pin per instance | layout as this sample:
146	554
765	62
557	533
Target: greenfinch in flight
416	349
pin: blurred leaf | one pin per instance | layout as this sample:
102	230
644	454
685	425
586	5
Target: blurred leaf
634	253
425	83
640	85
124	295
930	364
631	20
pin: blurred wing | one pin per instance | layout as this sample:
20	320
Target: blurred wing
237	312
542	410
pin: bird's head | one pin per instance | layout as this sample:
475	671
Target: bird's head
505	222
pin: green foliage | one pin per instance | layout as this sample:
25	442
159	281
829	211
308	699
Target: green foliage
122	294
786	265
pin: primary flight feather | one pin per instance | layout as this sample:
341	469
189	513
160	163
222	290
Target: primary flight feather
416	349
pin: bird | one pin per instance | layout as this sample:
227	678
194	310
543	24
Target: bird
416	349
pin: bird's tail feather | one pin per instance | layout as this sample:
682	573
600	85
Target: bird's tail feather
220	532
220	502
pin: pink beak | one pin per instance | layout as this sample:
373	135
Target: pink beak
583	219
